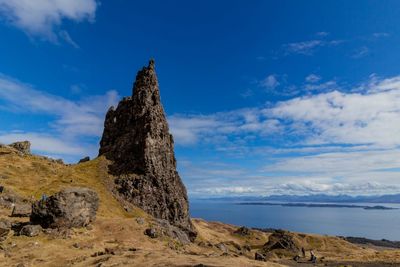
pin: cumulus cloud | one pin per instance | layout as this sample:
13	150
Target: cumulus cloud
73	120
44	17
371	117
335	141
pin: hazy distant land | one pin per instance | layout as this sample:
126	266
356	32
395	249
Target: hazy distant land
318	205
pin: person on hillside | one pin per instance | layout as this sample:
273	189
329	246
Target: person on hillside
313	258
303	251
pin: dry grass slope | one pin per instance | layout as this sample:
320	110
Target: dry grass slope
117	239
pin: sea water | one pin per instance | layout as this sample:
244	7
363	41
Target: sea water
358	222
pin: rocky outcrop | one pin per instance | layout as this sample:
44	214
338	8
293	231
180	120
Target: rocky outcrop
85	159
23	147
30	230
136	139
281	243
74	207
21	210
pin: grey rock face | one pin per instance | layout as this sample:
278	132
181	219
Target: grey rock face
31	230
136	139
24	146
74	207
21	210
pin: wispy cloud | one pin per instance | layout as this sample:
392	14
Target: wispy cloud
380	34
308	47
360	52
322	34
73	120
67	38
313	78
43	17
270	82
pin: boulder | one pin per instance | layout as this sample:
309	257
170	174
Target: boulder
151	232
30	230
221	246
259	257
23	147
85	159
21	210
281	243
137	142
73	207
167	229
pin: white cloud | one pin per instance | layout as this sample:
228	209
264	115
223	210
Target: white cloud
360	52
322	34
330	142
217	128
270	82
372	117
380	34
73	120
313	78
43	17
46	143
67	38
308	47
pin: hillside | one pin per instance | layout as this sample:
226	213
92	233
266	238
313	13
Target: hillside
117	237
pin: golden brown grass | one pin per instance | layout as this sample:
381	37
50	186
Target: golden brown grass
31	176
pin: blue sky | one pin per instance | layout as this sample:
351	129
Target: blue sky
263	97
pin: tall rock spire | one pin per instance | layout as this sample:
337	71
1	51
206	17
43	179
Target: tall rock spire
137	141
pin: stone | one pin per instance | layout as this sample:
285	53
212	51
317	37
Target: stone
140	220
222	247
259	257
246	248
170	230
243	231
151	232
281	240
21	210
23	147
73	207
85	159
137	141
31	230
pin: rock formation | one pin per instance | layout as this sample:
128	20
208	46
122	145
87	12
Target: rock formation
136	139
73	207
24	146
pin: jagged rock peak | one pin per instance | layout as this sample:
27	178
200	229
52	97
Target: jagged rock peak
137	141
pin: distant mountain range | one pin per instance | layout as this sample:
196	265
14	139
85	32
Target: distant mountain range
319	198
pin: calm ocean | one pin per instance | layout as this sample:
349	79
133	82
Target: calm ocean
374	224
